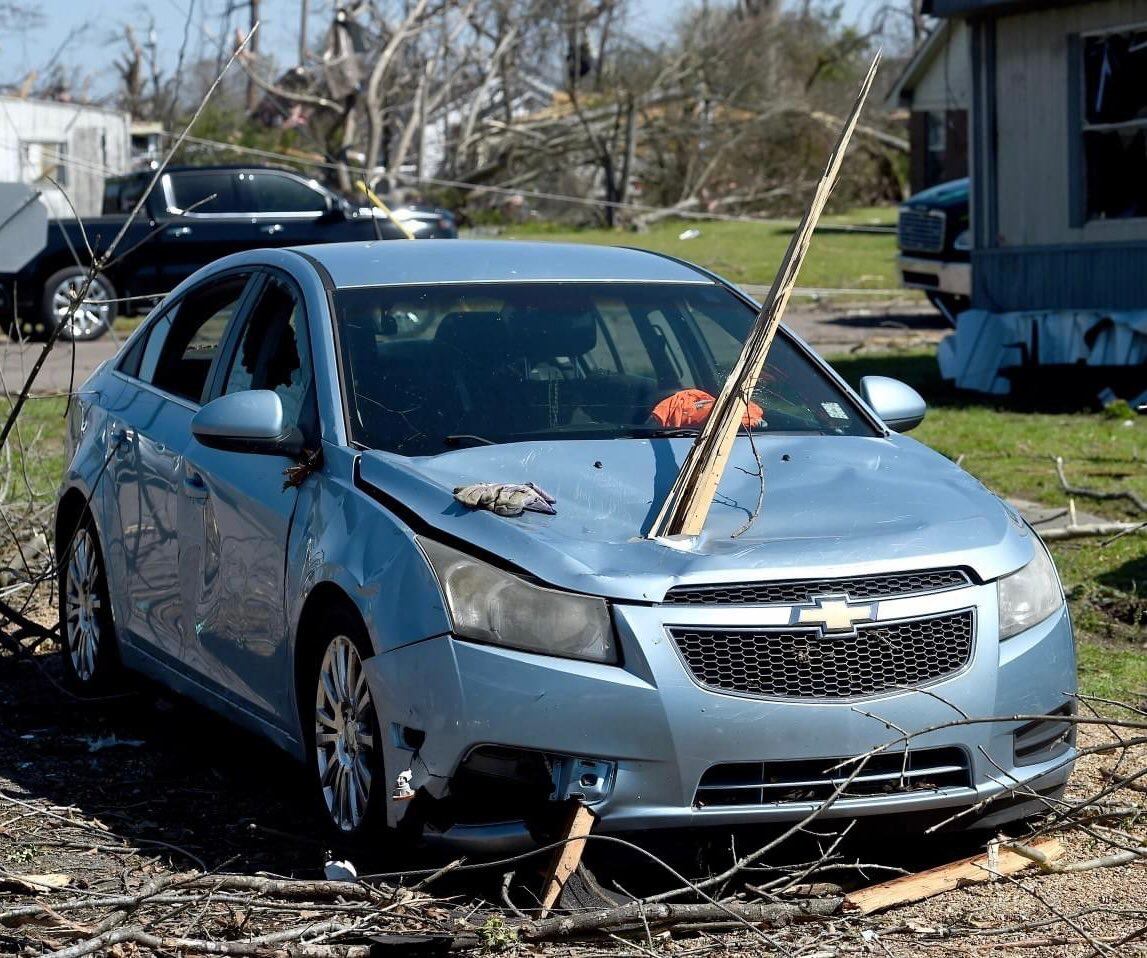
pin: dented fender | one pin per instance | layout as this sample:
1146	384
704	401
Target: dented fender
367	553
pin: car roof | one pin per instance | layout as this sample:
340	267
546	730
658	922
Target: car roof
211	168
399	262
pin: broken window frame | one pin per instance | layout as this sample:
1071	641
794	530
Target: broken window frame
1087	204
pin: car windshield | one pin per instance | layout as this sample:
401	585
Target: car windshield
435	367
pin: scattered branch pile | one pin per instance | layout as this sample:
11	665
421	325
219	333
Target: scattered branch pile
92	864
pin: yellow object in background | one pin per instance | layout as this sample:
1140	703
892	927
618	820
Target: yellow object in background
373	197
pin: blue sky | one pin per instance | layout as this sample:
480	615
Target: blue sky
99	23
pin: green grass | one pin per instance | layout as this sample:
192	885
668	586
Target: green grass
750	252
1010	449
37	450
1110	672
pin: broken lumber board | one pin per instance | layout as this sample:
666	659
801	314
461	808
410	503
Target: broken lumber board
687	505
935	881
567	857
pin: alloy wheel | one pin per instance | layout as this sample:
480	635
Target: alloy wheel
92	315
82	605
344	734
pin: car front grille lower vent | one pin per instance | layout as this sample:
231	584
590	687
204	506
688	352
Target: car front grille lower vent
921	231
797	591
1046	739
814	780
805	663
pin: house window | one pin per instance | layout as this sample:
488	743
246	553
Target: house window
44	161
937	132
936	140
1115	123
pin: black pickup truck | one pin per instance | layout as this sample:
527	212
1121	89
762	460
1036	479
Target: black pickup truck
194	215
935	244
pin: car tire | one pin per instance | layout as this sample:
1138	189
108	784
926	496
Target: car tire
88	644
89	322
949	305
341	731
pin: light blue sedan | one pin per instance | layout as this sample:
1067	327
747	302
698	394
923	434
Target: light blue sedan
259	512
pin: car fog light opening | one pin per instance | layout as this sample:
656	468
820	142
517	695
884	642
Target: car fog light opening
1029	596
490	605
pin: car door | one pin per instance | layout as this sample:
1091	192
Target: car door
206	221
166	373
236	516
287	210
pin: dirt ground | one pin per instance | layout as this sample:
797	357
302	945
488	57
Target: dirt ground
116	793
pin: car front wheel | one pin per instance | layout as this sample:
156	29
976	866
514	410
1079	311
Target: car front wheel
345	743
90	655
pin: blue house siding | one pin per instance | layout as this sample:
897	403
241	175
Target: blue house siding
1084	276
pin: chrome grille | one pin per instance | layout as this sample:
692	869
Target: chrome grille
921	231
805	663
814	780
800	591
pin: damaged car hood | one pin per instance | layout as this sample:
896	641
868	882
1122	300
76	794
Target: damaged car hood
832	505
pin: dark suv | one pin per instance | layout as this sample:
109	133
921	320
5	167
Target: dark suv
195	214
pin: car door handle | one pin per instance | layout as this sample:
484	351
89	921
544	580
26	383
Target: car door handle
178	231
194	486
122	439
272	229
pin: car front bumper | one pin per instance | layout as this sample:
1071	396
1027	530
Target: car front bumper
937	276
661	731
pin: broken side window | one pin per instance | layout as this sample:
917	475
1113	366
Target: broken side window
1115	123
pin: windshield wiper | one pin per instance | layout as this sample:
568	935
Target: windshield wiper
663	432
466	439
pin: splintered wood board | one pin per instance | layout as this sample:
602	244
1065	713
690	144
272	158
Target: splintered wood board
568	856
935	881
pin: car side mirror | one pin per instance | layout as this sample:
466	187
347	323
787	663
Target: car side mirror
250	421
897	403
336	211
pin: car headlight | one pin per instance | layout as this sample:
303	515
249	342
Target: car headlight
1029	596
963	241
487	604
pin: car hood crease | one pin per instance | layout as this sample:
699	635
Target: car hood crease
832	506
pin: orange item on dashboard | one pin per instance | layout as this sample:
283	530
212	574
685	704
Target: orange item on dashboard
691	407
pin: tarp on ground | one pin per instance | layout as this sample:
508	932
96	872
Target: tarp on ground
986	345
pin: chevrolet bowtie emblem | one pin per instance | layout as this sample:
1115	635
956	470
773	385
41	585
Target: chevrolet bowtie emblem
835	614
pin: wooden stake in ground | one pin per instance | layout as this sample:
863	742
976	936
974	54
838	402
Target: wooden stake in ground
567	857
969	871
687	505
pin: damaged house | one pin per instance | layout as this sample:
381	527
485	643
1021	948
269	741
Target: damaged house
1058	156
56	147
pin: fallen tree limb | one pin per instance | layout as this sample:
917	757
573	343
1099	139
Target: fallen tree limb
1037	854
1088	493
926	884
1089	530
277	888
253	947
660	913
290	887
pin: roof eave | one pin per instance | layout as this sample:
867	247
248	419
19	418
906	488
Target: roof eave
962	9
914	69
